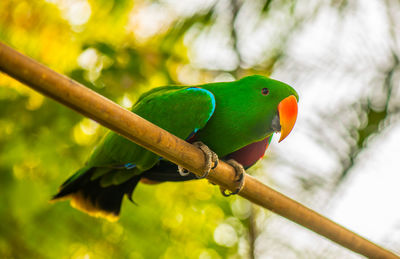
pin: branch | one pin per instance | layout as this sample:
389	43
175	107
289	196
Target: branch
178	151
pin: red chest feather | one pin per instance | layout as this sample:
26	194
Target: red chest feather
250	154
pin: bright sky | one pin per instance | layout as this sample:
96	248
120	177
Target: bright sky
343	56
369	204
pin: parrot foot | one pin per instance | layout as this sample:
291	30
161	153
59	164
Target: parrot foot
211	160
210	156
239	173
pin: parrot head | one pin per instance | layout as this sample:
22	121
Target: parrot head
272	101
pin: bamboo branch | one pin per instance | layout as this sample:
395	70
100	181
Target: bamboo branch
150	136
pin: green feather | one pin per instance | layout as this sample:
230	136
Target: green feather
243	115
179	110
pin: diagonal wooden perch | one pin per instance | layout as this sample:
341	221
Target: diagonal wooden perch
150	136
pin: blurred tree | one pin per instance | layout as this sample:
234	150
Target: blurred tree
345	67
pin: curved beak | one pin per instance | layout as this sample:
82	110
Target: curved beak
287	110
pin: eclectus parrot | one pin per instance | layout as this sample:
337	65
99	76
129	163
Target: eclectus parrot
236	120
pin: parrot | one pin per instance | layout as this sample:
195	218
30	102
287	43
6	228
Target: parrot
235	120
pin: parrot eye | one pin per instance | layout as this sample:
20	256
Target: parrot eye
265	91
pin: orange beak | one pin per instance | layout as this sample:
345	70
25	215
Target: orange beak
287	109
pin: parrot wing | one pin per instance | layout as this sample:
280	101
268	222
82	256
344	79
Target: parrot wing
181	111
116	165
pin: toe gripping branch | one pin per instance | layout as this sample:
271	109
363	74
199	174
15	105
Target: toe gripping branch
239	173
211	160
211	163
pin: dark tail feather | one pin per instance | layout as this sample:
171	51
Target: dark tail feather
87	195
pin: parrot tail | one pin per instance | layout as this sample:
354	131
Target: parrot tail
89	196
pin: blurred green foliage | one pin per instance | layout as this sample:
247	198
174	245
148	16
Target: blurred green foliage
43	142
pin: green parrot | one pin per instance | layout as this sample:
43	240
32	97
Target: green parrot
236	120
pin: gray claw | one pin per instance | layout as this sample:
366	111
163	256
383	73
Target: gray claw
182	171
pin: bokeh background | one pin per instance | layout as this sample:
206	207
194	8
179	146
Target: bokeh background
342	159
